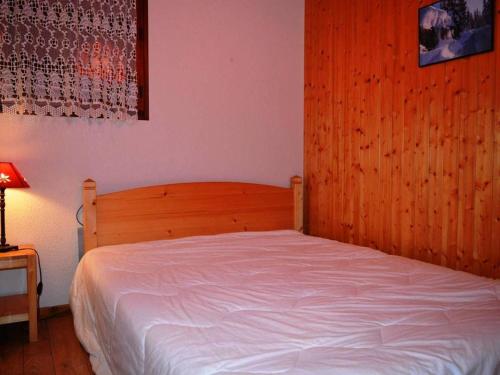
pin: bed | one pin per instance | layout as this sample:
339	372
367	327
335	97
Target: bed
217	278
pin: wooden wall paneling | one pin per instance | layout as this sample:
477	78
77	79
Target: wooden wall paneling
319	82
407	156
342	116
371	109
329	143
362	125
420	146
459	102
398	157
355	128
338	29
397	134
316	101
475	125
315	72
453	82
308	114
437	126
369	127
465	174
431	170
331	176
347	134
466	171
440	192
325	143
366	126
309	160
381	120
484	166
372	125
496	168
388	42
421	151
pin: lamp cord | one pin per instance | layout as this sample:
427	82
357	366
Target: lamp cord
77	215
39	287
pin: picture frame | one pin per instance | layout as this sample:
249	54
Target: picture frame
452	29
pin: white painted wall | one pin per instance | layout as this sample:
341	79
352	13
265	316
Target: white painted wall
226	100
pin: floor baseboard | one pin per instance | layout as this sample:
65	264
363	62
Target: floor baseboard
51	311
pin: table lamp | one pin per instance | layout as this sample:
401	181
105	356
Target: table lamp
9	178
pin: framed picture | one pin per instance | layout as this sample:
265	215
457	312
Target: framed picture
451	29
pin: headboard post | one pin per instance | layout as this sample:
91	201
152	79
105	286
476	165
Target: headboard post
298	205
89	215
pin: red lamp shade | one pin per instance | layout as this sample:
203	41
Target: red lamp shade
10	176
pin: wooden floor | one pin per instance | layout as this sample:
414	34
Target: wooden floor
57	351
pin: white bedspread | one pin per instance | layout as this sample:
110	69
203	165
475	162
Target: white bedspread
280	303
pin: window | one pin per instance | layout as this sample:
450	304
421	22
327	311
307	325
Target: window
74	58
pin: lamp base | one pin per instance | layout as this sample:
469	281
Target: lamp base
5	248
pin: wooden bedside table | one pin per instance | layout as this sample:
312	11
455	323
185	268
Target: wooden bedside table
21	307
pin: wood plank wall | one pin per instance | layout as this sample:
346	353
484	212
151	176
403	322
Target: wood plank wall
397	157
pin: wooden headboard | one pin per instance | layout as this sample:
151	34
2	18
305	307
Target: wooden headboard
188	209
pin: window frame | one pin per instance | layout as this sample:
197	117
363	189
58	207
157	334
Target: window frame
142	60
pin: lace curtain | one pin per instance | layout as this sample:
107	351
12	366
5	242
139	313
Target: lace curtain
69	58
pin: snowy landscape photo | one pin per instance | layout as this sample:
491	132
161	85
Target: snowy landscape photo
450	29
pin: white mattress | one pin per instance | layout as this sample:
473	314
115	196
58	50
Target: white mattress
280	303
